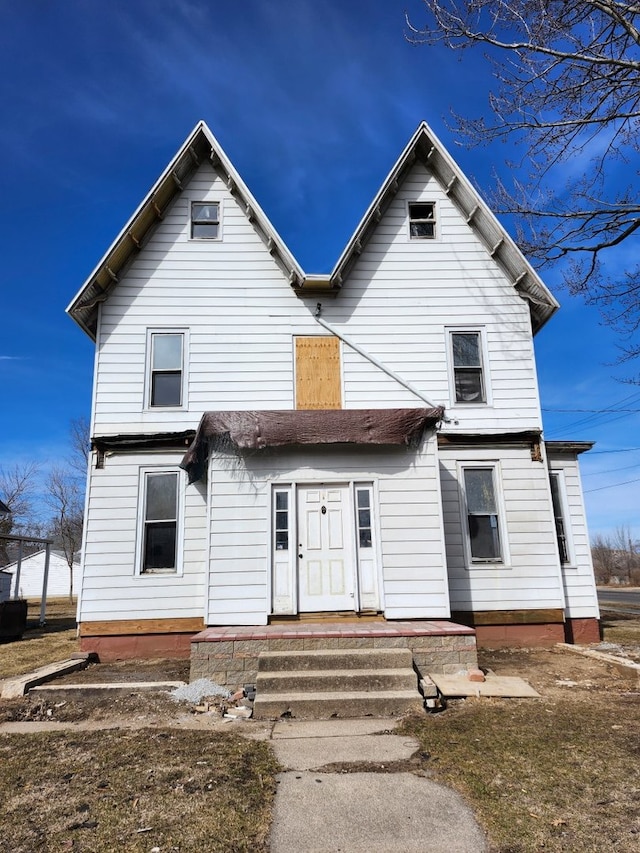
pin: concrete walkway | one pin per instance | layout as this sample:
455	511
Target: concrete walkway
349	786
341	811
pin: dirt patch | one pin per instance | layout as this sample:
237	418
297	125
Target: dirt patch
417	763
129	670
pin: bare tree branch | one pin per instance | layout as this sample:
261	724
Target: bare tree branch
568	93
64	496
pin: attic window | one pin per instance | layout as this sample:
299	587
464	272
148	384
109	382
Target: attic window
205	220
422	220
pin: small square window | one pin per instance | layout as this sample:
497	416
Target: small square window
422	220
205	220
468	374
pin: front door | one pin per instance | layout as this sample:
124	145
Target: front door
325	549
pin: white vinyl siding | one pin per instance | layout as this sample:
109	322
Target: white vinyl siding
112	588
530	577
242	315
408	512
579	584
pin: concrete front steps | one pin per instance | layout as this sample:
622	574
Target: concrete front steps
320	684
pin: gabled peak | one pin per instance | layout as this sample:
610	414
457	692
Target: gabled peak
425	147
200	146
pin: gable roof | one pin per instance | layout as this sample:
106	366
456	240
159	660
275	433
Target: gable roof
199	146
424	146
4	509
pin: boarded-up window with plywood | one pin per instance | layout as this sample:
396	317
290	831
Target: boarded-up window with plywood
318	382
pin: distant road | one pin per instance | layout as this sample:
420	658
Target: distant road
624	600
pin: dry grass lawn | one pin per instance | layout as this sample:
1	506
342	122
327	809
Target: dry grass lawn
560	773
55	641
134	791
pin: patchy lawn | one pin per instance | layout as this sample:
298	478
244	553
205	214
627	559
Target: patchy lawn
55	641
112	790
560	773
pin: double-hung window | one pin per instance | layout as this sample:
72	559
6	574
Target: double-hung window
483	516
205	220
559	516
160	511
166	369
422	220
467	367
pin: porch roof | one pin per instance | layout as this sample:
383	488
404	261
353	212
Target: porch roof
257	430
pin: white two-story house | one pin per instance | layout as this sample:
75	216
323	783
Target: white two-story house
270	444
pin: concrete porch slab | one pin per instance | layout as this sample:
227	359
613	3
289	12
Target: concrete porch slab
328	630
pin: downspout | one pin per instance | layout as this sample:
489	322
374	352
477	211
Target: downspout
371	358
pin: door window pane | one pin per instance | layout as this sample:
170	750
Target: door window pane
281	521
363	502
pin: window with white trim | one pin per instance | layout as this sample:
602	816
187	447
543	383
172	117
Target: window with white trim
467	366
160	519
559	516
422	220
482	513
165	380
205	220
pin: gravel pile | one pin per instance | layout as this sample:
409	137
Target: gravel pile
196	691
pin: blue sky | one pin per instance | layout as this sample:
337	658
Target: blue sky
307	99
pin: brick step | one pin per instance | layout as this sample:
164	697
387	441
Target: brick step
335	659
344	704
331	680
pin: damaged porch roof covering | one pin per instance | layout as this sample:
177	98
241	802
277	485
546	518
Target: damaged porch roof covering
257	430
201	145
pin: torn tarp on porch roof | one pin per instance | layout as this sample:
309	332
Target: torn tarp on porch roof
257	430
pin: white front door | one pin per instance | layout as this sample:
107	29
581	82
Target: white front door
325	549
